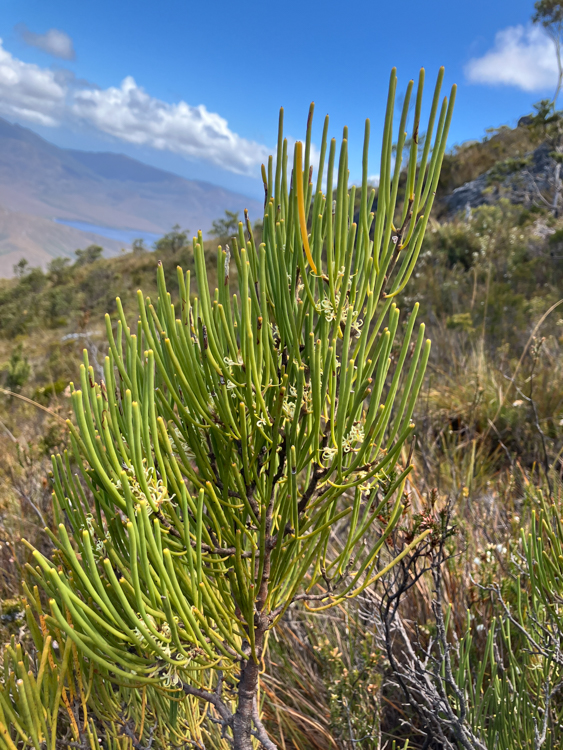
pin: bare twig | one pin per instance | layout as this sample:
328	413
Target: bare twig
33	403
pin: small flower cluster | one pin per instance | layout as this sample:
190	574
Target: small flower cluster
231	385
169	671
326	308
231	363
158	492
355	436
98	543
329	454
288	406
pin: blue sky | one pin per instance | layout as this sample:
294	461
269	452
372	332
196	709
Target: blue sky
195	87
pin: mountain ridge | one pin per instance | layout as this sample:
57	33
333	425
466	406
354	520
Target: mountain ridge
46	182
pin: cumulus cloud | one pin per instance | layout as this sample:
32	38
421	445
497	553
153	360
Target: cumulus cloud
127	113
522	57
130	114
314	155
28	91
54	41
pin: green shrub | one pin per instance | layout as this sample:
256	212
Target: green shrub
229	439
18	370
90	255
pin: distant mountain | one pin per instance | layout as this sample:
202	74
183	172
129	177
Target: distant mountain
40	240
41	182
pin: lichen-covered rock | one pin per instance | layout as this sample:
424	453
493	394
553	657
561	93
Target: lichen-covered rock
518	180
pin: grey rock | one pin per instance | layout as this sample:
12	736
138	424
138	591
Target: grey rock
526	120
517	187
470	194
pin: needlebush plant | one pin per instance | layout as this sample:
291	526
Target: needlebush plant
243	451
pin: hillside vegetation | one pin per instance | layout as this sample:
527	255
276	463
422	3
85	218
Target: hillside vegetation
487	462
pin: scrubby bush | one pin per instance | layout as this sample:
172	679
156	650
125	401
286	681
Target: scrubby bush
228	440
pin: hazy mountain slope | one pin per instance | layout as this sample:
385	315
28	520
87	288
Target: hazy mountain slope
39	240
39	178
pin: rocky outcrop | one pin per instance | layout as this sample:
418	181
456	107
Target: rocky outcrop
516	180
471	194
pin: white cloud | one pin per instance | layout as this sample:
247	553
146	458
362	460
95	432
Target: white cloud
314	155
522	57
130	114
127	113
54	42
28	91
